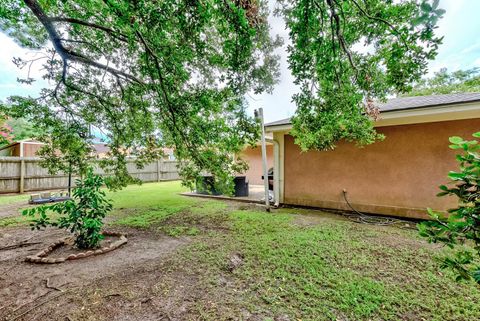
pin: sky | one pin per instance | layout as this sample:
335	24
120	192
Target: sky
460	50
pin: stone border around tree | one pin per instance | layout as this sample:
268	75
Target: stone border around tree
40	257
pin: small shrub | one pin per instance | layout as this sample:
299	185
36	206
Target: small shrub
463	222
82	215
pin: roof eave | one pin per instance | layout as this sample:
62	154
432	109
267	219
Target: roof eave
418	115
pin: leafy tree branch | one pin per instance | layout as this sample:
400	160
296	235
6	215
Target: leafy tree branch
155	74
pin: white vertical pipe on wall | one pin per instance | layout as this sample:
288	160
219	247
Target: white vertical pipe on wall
276	170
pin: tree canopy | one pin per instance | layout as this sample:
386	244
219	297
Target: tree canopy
444	82
5	131
21	128
155	74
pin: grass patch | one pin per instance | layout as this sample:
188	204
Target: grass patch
151	195
299	267
21	220
13	221
152	204
142	206
10	199
148	217
332	270
176	231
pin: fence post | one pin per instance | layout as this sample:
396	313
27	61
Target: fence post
22	168
158	170
22	175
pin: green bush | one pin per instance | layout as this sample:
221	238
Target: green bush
462	224
82	215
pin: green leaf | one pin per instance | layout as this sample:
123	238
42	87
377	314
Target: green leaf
476	275
461	226
426	6
455	146
456	176
456	140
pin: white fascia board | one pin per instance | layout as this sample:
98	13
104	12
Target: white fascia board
429	114
414	116
278	128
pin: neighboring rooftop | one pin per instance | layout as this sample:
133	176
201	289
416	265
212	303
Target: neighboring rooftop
403	103
26	141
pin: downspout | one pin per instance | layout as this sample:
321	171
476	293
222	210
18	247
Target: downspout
276	170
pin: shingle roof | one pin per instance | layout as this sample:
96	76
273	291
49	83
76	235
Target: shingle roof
403	103
285	121
428	101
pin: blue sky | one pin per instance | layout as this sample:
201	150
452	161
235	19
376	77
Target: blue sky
460	50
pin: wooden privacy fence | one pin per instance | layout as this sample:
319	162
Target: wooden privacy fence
24	174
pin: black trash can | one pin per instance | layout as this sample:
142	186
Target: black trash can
206	185
241	186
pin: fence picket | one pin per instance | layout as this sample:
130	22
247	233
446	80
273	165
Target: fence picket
24	174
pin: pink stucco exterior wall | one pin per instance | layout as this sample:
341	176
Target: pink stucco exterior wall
253	156
398	176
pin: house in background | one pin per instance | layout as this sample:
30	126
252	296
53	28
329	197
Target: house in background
398	176
101	149
30	147
21	148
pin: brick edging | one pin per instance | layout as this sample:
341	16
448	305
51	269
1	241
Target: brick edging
40	257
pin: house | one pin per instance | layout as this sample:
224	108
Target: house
21	148
398	176
30	147
100	149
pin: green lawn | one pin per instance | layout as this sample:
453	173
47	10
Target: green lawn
6	200
9	199
334	270
327	270
308	265
141	206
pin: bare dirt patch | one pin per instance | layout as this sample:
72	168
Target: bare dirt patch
143	280
12	209
24	285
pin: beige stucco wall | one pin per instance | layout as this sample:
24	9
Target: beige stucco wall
253	156
398	176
